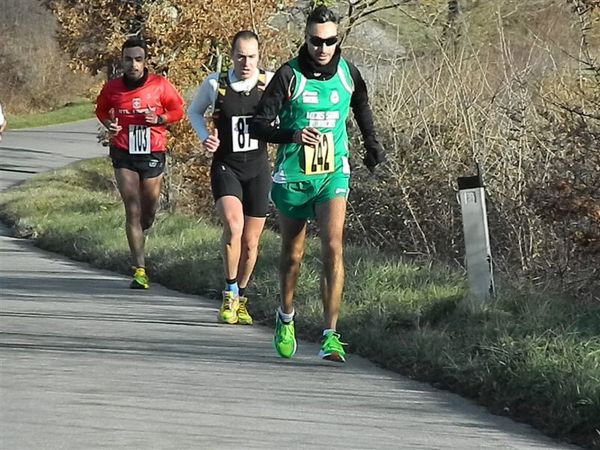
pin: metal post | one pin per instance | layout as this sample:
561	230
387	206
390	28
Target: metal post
477	241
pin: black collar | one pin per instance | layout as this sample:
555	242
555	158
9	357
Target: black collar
310	69
134	84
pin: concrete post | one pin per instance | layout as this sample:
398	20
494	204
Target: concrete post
477	241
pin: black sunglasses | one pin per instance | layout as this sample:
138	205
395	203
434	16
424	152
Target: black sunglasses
318	42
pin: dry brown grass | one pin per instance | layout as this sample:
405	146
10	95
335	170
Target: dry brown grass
35	74
523	105
513	90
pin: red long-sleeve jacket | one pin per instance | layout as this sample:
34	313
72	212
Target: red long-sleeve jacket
131	105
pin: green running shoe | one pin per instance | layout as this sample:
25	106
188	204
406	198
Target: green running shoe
284	340
140	279
331	347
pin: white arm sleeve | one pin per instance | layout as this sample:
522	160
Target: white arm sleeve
1	116
205	97
268	76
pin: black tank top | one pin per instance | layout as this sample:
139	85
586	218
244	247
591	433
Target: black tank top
233	111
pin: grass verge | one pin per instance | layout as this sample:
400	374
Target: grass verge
74	111
531	355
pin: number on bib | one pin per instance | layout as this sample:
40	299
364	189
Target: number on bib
139	140
319	159
240	135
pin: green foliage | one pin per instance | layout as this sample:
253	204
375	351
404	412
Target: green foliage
68	113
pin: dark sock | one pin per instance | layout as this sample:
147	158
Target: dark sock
242	291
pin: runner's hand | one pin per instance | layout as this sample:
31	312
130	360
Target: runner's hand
152	118
308	136
114	127
211	143
375	154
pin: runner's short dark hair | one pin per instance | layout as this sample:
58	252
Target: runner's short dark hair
135	42
321	14
244	35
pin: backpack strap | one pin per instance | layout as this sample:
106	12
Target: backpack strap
262	79
222	82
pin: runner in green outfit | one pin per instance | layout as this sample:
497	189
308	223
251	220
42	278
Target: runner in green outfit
312	95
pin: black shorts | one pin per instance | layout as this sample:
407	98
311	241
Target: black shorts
250	182
147	166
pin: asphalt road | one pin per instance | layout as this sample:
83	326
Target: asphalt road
87	363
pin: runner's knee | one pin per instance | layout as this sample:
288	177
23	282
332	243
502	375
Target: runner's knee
250	243
234	227
133	211
332	249
148	220
293	256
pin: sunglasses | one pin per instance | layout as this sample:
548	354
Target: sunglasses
318	42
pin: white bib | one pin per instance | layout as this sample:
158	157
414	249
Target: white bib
139	140
320	159
240	135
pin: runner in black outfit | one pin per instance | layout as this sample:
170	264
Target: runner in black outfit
240	171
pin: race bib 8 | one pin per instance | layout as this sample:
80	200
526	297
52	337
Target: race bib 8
241	135
319	159
139	140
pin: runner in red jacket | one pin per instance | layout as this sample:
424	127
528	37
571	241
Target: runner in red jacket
135	109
